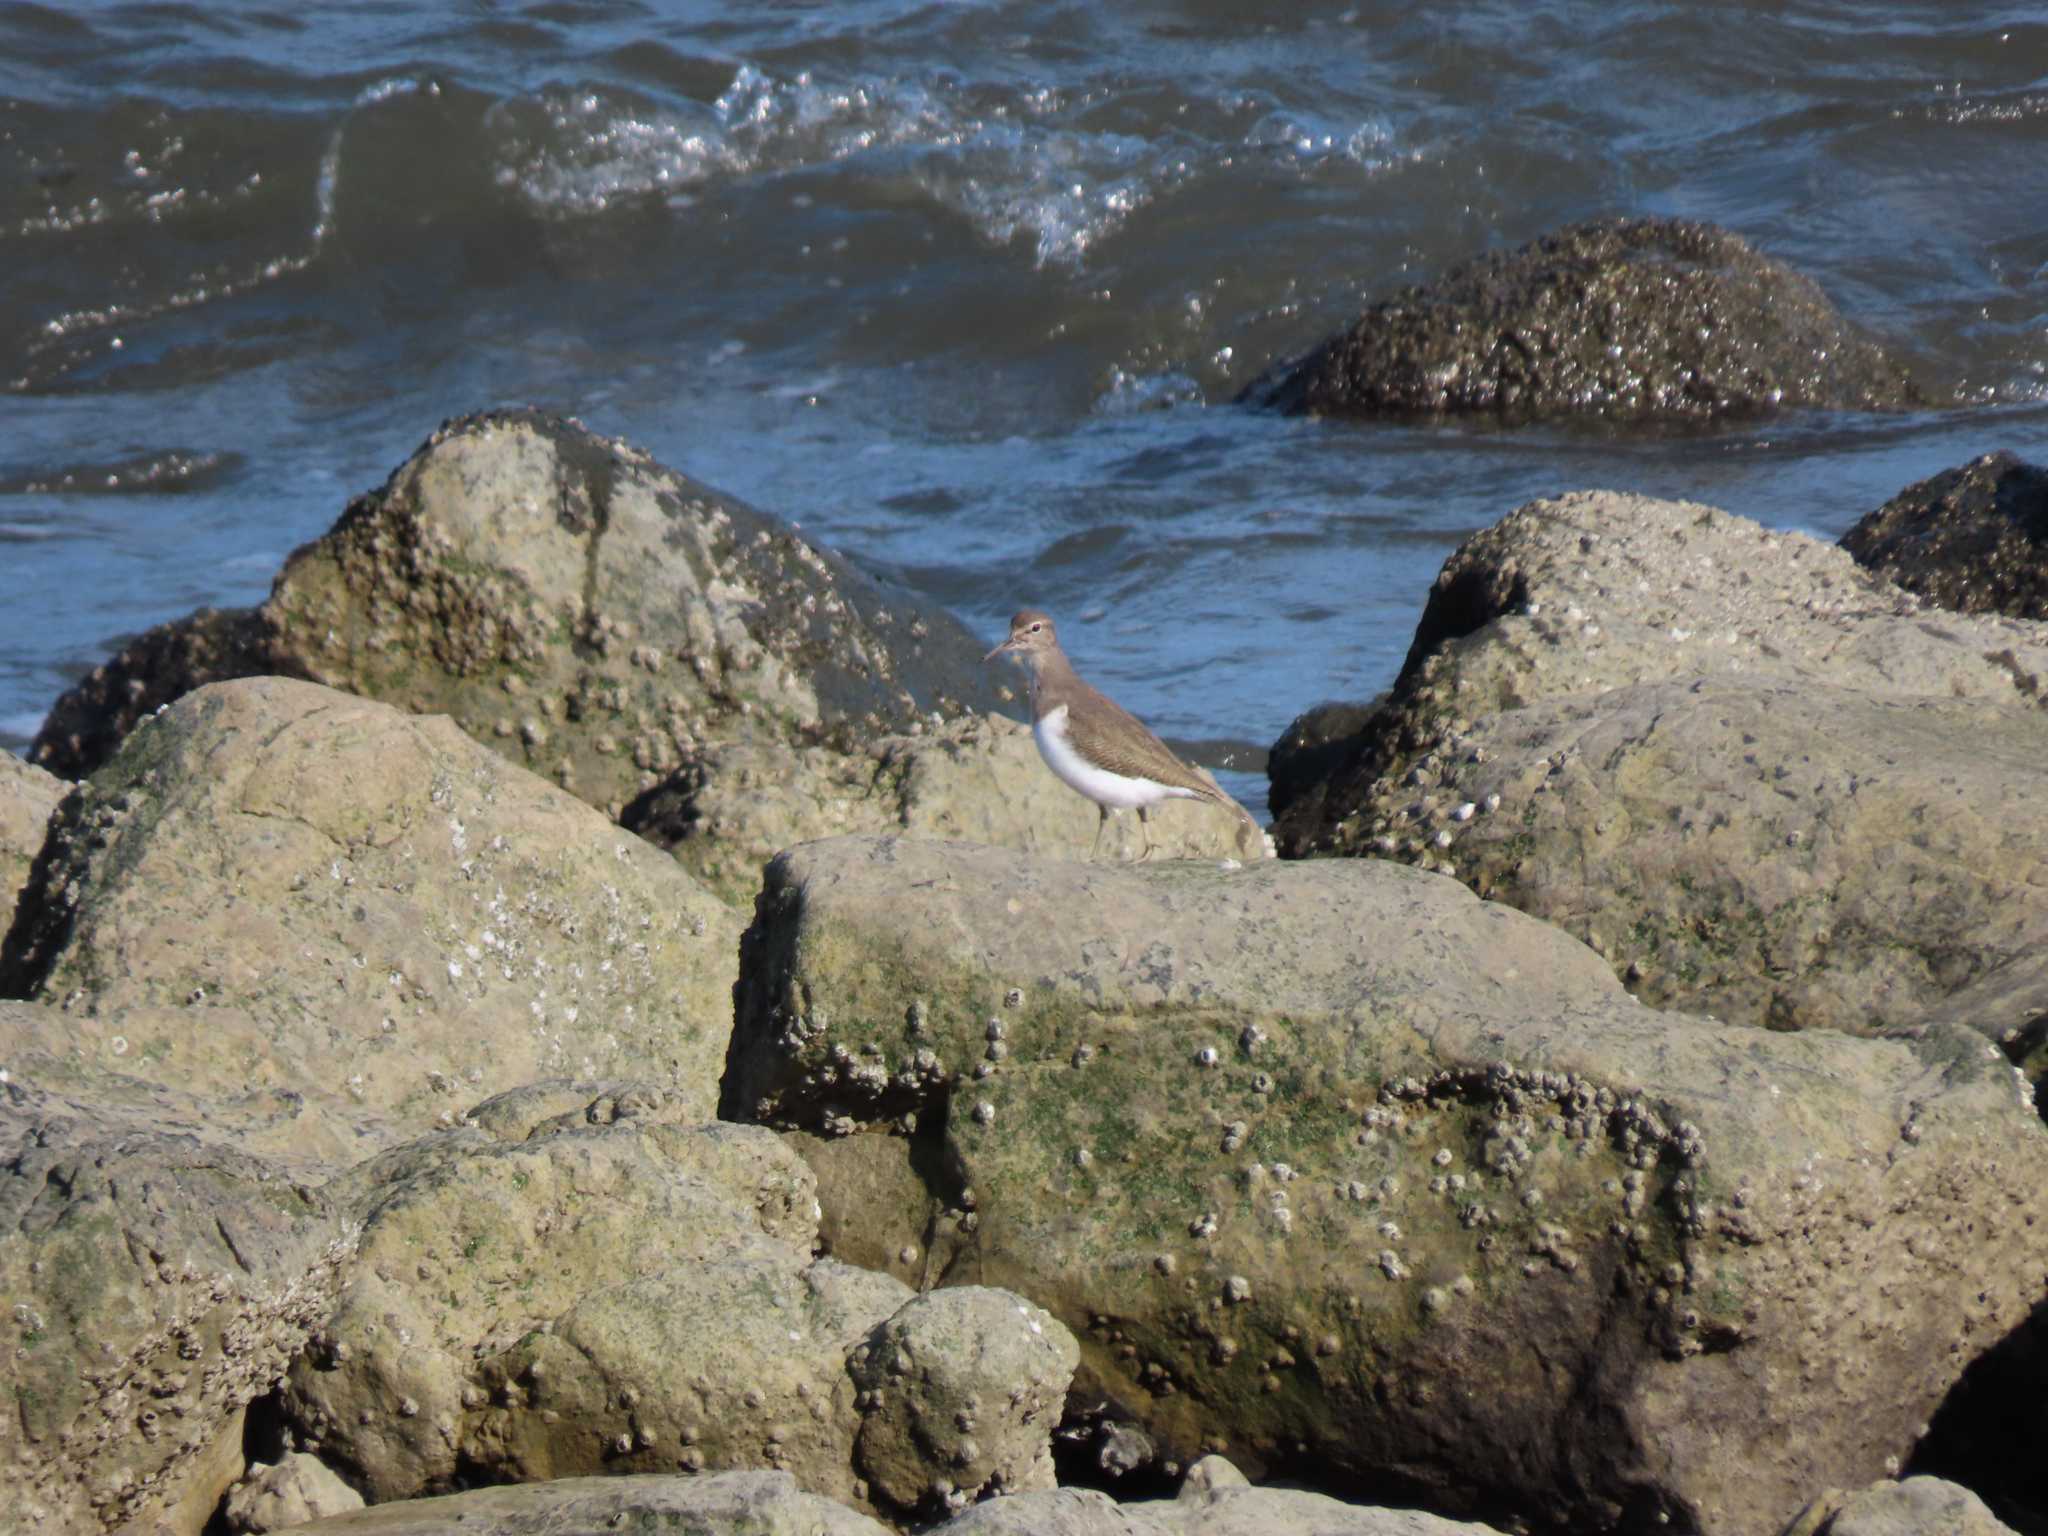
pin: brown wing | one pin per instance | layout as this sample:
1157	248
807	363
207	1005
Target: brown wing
1132	750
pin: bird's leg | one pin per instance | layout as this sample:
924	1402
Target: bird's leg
1101	826
1145	827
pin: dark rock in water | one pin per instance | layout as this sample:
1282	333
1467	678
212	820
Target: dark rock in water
86	724
1635	319
1314	746
595	616
1973	539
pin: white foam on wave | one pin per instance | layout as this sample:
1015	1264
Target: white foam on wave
1002	159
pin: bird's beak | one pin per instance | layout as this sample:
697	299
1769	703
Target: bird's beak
1005	648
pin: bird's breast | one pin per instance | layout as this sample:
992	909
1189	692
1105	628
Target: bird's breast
1118	791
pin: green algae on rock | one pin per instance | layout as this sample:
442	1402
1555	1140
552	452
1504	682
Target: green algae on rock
1342	1168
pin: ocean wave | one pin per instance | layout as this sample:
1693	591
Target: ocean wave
1029	163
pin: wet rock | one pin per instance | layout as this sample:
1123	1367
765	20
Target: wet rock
1762	783
1314	745
27	797
300	1488
1381	1178
978	779
927	1374
590	614
635	1296
1632	319
1972	539
452	924
156	1284
1917	1506
758	1503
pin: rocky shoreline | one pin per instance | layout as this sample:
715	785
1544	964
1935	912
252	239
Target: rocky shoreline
581	1012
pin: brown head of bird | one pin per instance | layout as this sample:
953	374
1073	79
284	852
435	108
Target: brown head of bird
1031	635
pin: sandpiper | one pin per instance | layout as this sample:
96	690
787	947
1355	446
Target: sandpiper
1099	748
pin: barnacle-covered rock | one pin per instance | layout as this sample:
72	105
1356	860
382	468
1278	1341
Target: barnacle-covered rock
1763	783
277	886
630	1293
156	1283
1626	319
1973	539
925	1376
1448	1203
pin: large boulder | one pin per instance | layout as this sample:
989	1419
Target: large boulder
596	617
1972	539
27	797
157	1284
1763	783
1336	1168
618	1291
278	887
1631	319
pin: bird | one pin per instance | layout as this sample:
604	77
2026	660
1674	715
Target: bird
1099	748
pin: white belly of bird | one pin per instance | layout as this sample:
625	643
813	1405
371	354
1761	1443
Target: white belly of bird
1118	791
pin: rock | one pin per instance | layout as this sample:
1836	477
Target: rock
88	723
1762	783
926	1374
1211	1475
453	924
1917	1506
1228	1511
639	1295
758	1503
977	779
390	1392
1634	319
1314	745
298	1489
593	616
27	797
1333	1166
99	1065
157	1284
1972	540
